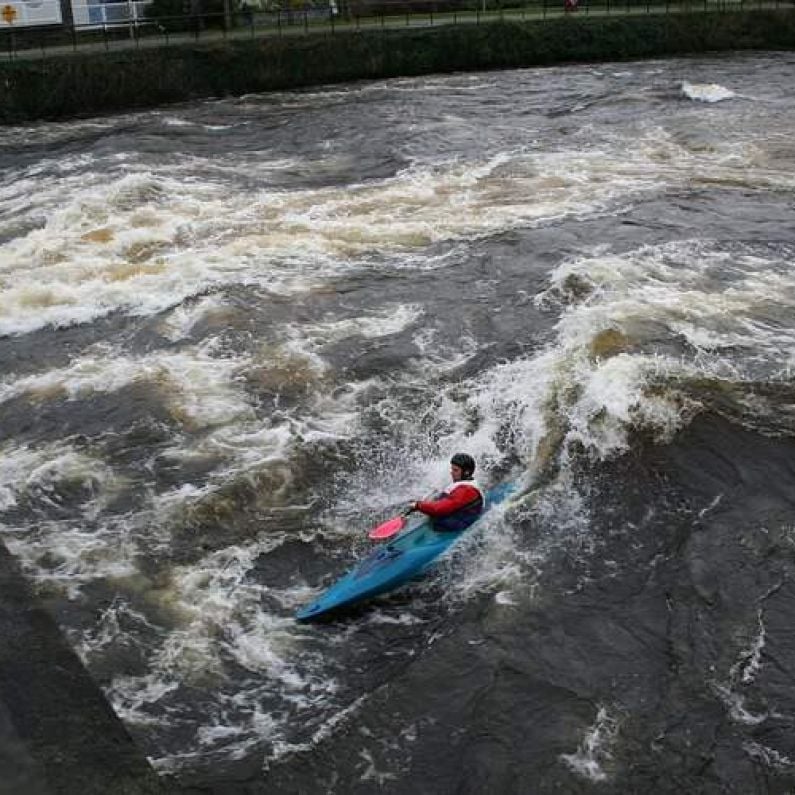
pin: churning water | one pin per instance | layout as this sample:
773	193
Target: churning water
237	334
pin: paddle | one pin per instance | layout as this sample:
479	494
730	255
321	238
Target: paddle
391	526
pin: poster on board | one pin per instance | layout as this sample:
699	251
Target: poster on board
25	13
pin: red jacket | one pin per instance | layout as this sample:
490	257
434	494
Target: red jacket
457	496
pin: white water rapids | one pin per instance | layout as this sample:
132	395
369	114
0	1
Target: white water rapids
236	333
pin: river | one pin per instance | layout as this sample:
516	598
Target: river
237	334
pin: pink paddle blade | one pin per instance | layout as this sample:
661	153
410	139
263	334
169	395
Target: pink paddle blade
388	528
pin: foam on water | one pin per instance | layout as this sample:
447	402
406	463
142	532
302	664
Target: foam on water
221	623
594	751
683	288
64	556
142	242
748	665
706	92
735	704
385	322
45	478
734	692
338	719
769	757
59	479
309	340
180	322
217	600
487	561
198	382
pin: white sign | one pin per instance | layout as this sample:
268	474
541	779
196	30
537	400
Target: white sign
24	13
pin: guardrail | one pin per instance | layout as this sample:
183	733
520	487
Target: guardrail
130	24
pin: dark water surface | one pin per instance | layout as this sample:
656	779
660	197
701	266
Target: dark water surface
237	334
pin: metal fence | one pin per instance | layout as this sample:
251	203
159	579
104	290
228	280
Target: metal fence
116	26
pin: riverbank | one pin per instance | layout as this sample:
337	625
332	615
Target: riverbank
97	81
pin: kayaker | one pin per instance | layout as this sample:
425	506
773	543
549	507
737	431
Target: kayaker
461	503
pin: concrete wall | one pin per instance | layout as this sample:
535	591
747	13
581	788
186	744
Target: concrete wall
58	735
100	82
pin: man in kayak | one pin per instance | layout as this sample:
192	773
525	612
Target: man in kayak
461	503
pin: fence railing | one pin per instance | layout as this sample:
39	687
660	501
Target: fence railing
131	25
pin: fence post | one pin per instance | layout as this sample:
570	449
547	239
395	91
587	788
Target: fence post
74	37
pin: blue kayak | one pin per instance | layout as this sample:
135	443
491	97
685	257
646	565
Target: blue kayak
410	555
